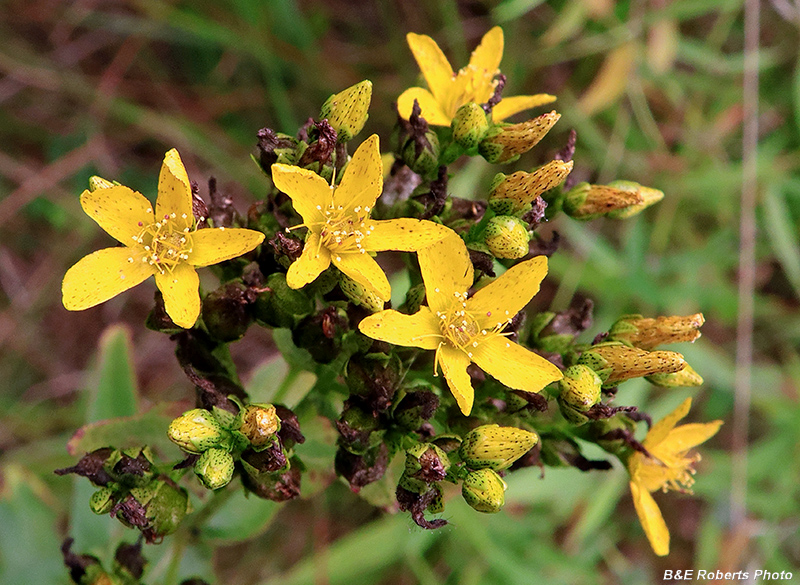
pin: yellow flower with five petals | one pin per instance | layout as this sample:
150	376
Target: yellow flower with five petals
340	230
464	330
164	242
476	82
668	467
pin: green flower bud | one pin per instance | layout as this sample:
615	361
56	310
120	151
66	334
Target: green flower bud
687	377
422	156
507	237
281	306
585	201
260	423
96	183
414	298
167	508
214	468
437	503
505	142
650	333
544	338
484	490
346	111
103	500
649	197
580	390
616	362
226	312
513	194
470	125
196	430
495	447
359	295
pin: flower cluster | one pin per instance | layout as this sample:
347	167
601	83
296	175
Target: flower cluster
309	259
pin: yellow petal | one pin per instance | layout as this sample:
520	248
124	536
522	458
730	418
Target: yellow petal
310	264
310	193
181	296
431	109
489	53
684	437
446	270
406	234
662	428
454	364
103	275
509	106
365	271
651	519
513	365
120	211
363	178
174	192
210	246
508	294
418	330
434	65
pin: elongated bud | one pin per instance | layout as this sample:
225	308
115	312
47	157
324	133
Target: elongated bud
359	295
647	333
96	183
507	237
214	468
346	111
495	447
166	509
422	155
512	194
585	201
505	142
686	378
196	430
580	389
484	491
470	125
649	196
414	298
616	362
260	423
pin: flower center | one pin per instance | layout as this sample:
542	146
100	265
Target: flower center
165	244
459	327
343	230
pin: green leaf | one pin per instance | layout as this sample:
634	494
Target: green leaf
112	389
240	518
28	540
782	234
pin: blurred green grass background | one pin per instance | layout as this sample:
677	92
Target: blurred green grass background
654	90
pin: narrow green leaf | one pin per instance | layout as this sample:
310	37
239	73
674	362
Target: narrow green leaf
112	389
783	235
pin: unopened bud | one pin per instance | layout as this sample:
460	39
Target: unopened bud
649	197
421	155
505	142
616	362
281	306
484	490
585	201
512	194
346	111
360	295
166	508
495	447
647	333
470	125
214	468
580	389
507	237
686	378
260	423
96	183
414	298
196	430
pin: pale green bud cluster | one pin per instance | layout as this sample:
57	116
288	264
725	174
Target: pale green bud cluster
507	237
484	490
579	390
495	447
470	125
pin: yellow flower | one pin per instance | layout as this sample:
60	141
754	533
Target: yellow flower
667	468
464	330
473	83
166	244
339	226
